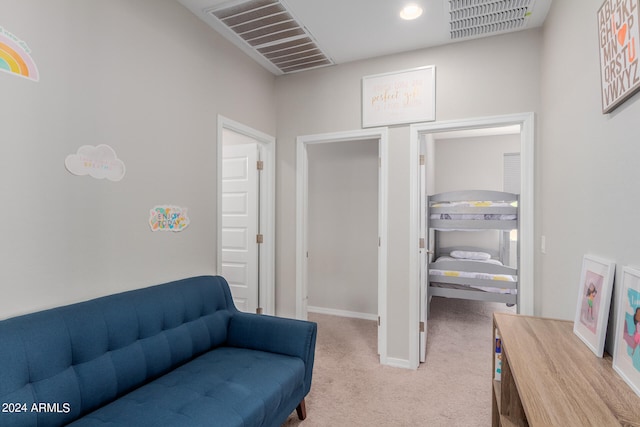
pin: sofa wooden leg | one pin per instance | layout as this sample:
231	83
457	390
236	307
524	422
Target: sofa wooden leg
302	410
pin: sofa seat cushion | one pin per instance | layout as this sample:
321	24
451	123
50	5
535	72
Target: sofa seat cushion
224	387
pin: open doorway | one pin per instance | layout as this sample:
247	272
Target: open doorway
378	137
343	229
246	215
525	122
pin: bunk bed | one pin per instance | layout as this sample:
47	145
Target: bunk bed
484	273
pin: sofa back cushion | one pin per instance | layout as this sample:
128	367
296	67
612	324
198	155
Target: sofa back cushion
79	357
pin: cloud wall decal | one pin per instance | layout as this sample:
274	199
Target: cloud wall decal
98	162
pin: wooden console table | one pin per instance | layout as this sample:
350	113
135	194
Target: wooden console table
550	378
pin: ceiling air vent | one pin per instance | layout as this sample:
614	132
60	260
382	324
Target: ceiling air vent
475	18
269	29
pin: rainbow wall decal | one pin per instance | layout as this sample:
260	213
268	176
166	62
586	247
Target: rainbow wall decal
15	57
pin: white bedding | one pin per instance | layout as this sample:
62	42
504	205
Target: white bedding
474	275
475	216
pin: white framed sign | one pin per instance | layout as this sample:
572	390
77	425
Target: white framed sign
619	35
399	97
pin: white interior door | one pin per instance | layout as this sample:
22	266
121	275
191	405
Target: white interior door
240	198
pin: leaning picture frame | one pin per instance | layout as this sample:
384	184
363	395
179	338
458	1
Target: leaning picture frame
626	348
594	301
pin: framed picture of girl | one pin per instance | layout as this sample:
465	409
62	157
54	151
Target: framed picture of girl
626	350
594	300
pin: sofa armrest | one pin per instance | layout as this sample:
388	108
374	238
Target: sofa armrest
275	335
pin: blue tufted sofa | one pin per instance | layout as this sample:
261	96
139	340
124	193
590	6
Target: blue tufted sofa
177	354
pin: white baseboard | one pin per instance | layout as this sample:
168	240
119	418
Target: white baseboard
342	313
396	363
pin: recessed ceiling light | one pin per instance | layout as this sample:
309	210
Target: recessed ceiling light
411	11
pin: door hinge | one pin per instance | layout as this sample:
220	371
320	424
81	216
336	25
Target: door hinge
260	165
259	238
379	241
379	162
421	326
421	160
378	320
422	243
259	310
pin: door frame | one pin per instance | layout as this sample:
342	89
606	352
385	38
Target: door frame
267	208
526	216
302	220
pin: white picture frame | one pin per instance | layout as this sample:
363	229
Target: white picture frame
399	97
626	349
619	45
594	302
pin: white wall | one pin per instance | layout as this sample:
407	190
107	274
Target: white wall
588	196
148	78
497	75
472	163
343	226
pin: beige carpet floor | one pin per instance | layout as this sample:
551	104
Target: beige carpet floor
453	387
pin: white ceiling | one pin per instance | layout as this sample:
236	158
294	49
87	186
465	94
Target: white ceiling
349	30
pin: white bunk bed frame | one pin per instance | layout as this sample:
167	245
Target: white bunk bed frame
451	286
